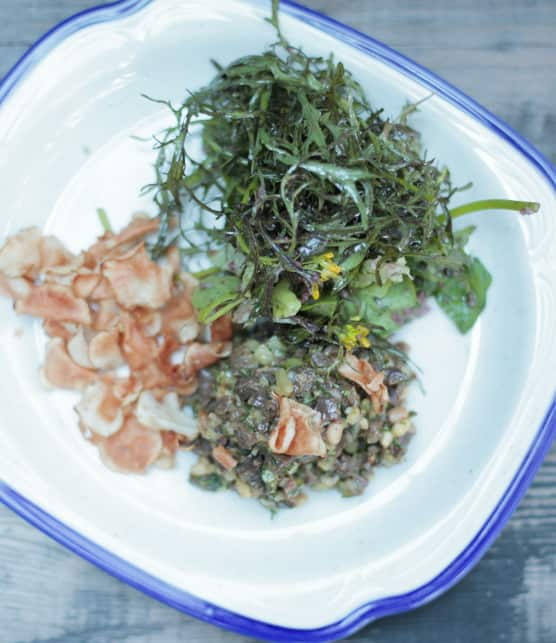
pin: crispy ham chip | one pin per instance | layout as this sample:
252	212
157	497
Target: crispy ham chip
362	373
58	276
138	281
60	371
85	282
102	291
180	320
100	410
166	415
54	302
108	307
132	449
149	320
64	330
104	350
138	350
127	390
224	457
139	227
161	376
78	349
15	287
20	255
298	431
27	253
170	444
91	285
55	256
106	315
221	329
198	356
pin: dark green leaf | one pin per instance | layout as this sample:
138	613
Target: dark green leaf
463	296
325	306
215	292
285	303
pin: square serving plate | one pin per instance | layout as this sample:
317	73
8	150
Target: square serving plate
69	110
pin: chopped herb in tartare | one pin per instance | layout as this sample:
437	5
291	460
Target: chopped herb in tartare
274	420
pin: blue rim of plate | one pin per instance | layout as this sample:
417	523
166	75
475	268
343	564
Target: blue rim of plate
371	611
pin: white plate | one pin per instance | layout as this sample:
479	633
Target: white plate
69	109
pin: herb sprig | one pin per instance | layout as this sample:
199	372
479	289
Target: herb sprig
329	216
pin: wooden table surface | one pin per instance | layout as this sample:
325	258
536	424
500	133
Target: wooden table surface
503	54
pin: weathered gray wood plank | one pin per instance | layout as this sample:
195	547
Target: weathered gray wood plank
503	54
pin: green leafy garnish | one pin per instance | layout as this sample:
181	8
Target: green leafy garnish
216	295
375	305
284	302
104	221
463	297
325	208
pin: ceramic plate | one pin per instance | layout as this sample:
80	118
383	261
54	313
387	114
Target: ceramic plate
69	110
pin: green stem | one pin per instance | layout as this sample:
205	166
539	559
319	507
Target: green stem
524	207
201	274
103	218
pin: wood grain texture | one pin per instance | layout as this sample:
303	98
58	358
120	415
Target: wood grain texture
503	54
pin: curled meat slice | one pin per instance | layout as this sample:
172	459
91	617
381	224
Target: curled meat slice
59	276
170	444
361	372
132	449
159	375
28	252
54	302
149	320
198	356
221	330
298	431
60	371
85	282
139	227
78	349
100	410
106	315
139	351
127	389
179	319
138	281
102	291
189	283
166	415
188	331
224	457
20	255
15	287
56	257
64	330
104	350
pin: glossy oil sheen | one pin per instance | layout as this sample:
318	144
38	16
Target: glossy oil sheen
486	393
